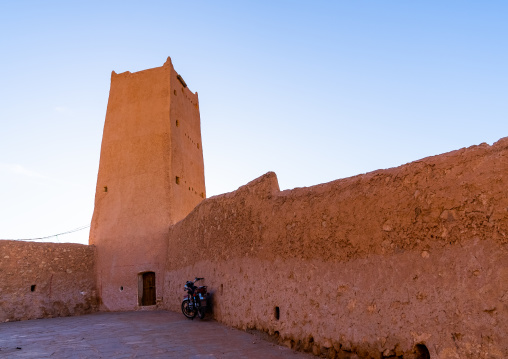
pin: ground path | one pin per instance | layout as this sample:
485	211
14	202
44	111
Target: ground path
144	334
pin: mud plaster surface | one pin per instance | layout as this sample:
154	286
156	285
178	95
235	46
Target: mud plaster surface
41	280
379	262
151	175
405	299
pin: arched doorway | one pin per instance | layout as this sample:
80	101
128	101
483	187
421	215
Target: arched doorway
146	289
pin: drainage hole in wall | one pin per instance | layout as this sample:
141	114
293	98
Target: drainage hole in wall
177	180
422	352
32	288
121	288
277	313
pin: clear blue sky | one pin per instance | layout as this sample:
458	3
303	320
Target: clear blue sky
313	90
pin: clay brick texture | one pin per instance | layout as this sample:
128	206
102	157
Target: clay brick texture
41	280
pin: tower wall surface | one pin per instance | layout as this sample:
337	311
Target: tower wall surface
151	137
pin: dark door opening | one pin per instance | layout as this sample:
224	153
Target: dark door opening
148	296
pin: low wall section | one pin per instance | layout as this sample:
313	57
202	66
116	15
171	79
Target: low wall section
389	263
41	280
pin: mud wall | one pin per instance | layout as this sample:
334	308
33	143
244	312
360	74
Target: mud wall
382	264
41	280
151	175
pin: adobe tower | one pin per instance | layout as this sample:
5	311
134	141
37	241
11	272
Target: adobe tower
151	175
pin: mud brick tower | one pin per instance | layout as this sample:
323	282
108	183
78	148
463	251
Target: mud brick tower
151	175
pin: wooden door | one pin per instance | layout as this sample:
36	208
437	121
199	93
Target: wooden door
148	289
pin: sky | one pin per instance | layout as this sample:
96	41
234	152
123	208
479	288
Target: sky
312	90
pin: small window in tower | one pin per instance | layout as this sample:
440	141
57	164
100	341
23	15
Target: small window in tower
198	145
105	188
174	91
177	180
181	81
177	123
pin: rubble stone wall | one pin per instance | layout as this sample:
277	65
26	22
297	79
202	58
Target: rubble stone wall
389	263
41	280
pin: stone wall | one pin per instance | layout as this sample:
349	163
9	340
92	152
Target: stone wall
383	264
41	280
